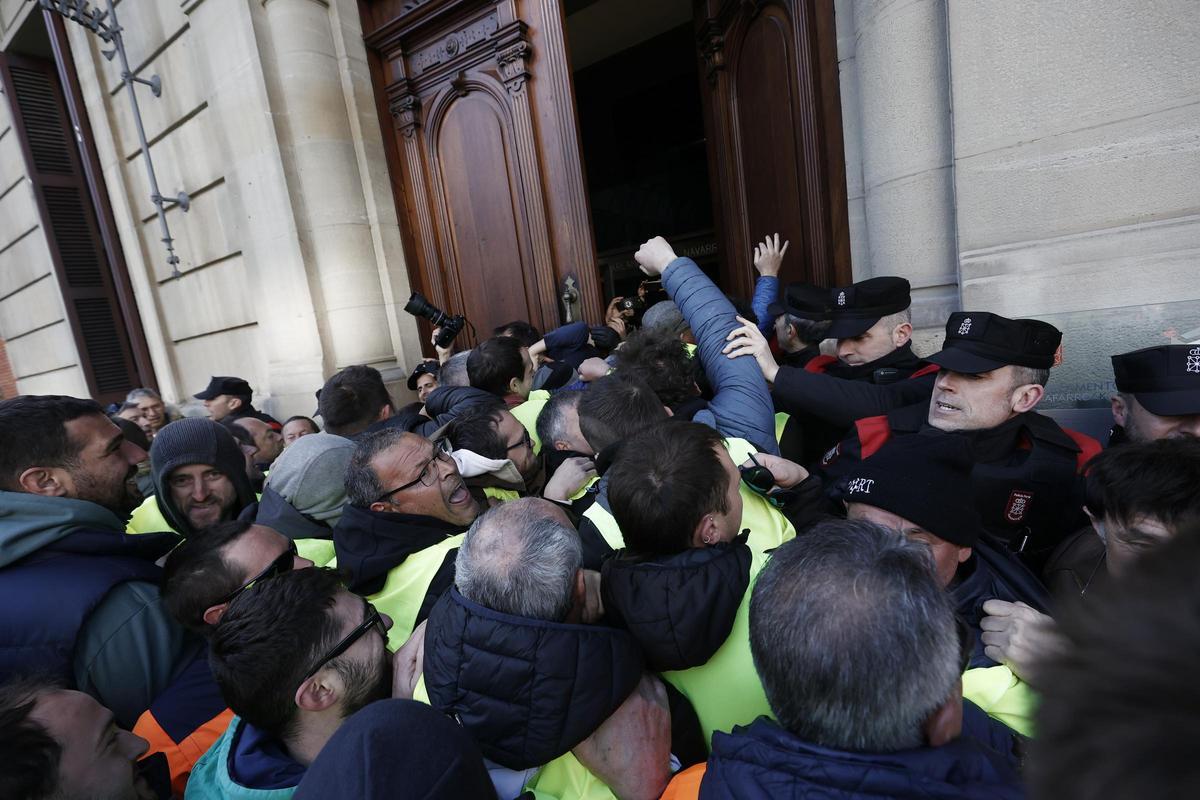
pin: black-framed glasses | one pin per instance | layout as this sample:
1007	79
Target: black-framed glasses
757	477
428	474
524	440
284	562
371	618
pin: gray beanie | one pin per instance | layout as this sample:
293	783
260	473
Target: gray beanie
311	475
664	316
196	441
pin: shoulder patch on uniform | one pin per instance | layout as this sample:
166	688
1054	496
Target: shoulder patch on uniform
1018	505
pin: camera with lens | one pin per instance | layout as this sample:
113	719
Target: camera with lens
634	304
450	326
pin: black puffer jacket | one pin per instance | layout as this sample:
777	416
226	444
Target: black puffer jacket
526	690
680	608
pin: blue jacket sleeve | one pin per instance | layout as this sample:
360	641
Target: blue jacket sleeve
571	336
766	291
741	404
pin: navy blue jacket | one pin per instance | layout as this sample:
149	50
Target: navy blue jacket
765	762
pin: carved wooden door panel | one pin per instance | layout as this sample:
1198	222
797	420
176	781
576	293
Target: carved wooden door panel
773	120
480	114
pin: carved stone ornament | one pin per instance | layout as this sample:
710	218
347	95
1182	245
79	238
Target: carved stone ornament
406	111
513	63
459	84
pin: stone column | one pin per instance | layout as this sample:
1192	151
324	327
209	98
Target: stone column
898	113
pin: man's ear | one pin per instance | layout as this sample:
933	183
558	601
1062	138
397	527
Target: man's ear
319	692
1096	522
1120	411
212	614
1026	397
378	506
513	384
385	412
670	413
706	532
944	725
578	599
234	403
901	334
46	481
963	554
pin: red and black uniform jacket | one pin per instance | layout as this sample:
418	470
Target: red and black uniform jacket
1027	477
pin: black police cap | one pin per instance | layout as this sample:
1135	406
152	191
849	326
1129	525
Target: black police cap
854	309
978	341
803	300
424	368
224	384
924	478
1164	379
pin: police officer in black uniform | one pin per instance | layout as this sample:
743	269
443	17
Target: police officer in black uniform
1158	397
1026	481
871	324
801	323
1158	393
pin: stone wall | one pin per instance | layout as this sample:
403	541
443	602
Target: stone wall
1032	159
291	259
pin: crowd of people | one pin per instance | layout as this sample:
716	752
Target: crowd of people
715	549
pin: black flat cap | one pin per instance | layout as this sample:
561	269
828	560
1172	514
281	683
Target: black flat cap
224	384
424	368
855	308
924	478
978	341
803	300
1164	379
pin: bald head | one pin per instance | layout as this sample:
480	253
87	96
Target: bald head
521	558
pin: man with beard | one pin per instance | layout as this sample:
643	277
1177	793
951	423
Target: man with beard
78	598
294	655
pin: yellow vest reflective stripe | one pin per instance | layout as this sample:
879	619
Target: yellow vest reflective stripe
726	690
503	495
527	414
404	590
318	551
768	528
781	421
146	518
1003	696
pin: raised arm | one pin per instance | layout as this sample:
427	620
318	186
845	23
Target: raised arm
741	404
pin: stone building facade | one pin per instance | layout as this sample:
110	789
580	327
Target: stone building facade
1030	158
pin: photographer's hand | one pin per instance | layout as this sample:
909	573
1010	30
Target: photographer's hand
443	353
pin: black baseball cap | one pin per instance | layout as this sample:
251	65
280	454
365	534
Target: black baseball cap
803	300
1164	379
924	478
855	308
424	368
978	341
224	384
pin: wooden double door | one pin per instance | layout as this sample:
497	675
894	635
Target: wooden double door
477	107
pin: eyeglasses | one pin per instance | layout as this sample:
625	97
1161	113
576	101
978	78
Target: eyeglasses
282	563
371	619
428	474
758	477
524	440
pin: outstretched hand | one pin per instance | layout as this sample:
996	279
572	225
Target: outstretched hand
768	256
749	341
787	473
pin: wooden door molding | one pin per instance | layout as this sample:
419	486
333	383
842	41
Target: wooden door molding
769	79
463	121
